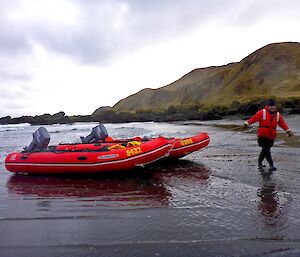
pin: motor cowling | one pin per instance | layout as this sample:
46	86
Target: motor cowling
40	141
98	133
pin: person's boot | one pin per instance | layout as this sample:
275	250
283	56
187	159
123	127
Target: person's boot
260	166
260	162
270	161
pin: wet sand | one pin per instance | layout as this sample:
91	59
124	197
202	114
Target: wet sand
212	203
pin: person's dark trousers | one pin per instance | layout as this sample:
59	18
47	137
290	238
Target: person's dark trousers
265	144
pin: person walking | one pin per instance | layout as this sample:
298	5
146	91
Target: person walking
268	119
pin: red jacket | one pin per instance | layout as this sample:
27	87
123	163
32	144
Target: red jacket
268	123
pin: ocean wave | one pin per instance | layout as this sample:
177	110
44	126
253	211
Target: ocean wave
14	127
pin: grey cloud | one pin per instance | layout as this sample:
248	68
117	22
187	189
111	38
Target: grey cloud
12	92
7	75
249	12
16	99
13	39
107	29
142	23
15	108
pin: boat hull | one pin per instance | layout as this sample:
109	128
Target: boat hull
88	161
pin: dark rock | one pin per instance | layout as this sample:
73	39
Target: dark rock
5	120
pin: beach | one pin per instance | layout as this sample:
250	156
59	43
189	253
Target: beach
214	202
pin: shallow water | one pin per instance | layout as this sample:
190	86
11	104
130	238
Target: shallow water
211	203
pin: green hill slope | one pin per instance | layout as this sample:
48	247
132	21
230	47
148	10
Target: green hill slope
272	71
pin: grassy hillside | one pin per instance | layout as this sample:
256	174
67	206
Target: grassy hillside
272	71
206	93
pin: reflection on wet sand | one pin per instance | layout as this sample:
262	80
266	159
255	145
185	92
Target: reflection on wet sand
181	169
128	190
139	188
271	211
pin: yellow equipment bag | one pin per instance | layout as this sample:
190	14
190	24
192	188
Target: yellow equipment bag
116	146
133	143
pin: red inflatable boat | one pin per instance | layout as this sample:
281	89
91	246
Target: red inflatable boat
184	146
98	154
55	161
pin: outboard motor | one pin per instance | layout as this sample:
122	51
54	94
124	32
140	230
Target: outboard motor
98	133
41	139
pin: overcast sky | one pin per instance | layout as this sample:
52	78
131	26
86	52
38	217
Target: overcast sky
77	55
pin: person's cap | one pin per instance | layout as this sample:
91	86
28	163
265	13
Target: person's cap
271	102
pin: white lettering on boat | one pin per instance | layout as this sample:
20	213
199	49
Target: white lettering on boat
13	157
108	156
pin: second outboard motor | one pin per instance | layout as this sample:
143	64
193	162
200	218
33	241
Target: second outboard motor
41	139
98	133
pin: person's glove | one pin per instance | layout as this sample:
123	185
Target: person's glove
245	126
289	133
